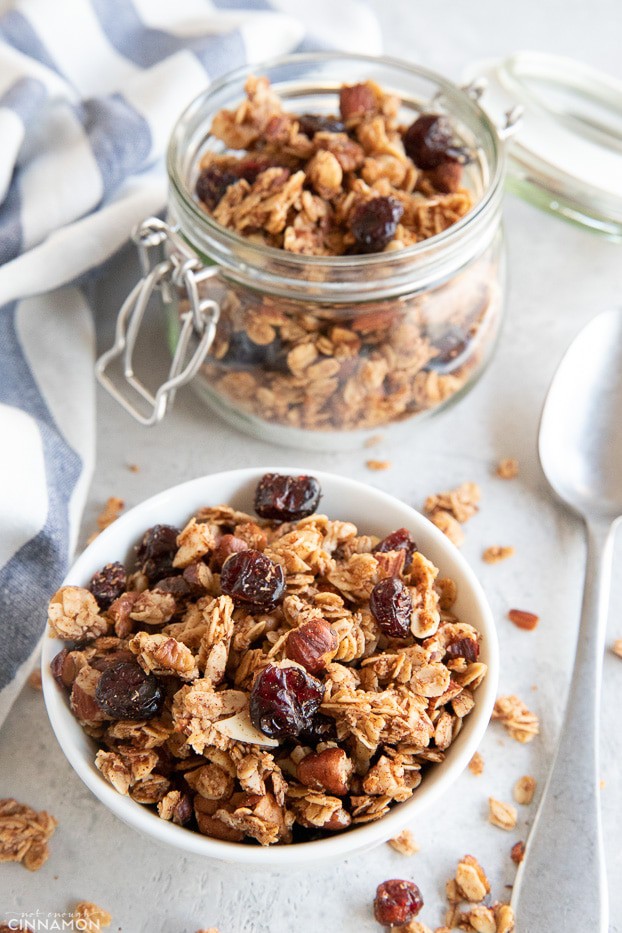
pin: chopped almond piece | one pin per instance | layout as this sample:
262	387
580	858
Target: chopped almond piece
518	852
523	619
524	789
378	465
492	555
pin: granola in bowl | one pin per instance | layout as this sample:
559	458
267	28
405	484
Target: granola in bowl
270	678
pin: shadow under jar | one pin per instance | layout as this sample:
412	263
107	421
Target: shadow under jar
324	351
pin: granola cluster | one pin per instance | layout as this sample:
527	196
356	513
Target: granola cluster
450	510
240	679
320	186
323	185
24	834
471	885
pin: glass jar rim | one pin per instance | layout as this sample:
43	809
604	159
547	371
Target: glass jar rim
436	255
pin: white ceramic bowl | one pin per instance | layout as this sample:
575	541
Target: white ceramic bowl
373	512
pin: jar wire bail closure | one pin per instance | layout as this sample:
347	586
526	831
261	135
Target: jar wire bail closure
183	271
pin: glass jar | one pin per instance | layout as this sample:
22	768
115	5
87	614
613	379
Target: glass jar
323	352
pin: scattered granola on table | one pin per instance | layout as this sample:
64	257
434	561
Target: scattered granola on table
330	188
524	789
90	916
507	468
617	647
492	555
449	510
274	678
378	465
501	814
476	764
404	843
470	884
520	722
34	679
24	834
109	514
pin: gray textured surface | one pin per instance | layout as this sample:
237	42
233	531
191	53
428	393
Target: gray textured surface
559	277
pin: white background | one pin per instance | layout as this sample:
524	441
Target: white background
559	278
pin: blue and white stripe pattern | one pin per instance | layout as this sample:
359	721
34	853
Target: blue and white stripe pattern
89	92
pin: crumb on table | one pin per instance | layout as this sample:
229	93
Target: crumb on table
378	465
507	468
496	553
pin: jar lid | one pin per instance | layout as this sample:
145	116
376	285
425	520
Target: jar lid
566	156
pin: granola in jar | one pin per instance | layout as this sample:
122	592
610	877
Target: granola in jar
356	233
270	678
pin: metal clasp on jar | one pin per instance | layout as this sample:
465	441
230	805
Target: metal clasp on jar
182	272
512	117
476	89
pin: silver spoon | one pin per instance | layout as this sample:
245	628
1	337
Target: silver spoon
561	886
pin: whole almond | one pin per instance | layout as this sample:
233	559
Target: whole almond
523	619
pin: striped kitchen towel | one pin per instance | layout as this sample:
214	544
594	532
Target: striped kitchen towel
89	91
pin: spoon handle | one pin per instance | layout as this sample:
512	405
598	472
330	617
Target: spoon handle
561	886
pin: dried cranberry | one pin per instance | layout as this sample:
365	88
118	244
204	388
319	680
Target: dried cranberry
451	349
284	701
321	729
373	223
286	498
399	540
243	352
391	606
431	140
212	184
466	648
397	902
156	551
251	166
108	584
252	579
125	691
312	123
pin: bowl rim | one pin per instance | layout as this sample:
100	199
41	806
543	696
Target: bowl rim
361	837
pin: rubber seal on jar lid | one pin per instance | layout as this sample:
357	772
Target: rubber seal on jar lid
566	157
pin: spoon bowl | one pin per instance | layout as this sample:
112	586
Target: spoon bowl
581	428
